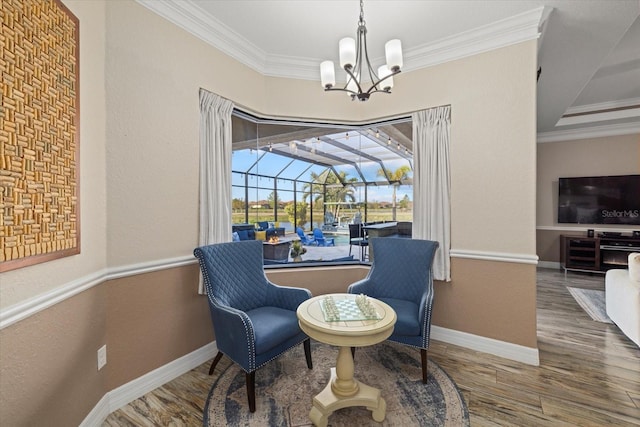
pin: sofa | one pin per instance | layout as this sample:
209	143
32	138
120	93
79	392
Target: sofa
622	298
243	232
249	232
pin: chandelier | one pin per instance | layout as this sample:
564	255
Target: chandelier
354	57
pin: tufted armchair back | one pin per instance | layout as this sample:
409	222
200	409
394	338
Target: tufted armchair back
233	274
401	276
254	320
401	261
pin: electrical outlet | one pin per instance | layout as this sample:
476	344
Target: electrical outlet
102	356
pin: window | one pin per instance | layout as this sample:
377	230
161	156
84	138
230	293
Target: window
293	175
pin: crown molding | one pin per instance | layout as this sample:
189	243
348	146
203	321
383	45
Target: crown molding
626	113
602	106
190	17
516	29
590	132
194	20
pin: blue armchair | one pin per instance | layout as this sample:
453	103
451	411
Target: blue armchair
318	236
401	276
304	239
254	320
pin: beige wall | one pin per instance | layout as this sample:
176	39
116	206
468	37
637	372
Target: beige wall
489	299
48	371
153	319
139	146
613	155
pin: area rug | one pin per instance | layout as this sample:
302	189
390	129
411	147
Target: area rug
285	388
592	301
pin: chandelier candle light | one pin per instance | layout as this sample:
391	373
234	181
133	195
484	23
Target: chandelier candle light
353	55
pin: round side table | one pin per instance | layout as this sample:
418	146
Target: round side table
343	390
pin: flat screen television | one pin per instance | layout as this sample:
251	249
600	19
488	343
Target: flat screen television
599	200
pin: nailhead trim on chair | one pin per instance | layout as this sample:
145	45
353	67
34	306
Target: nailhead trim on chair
247	327
246	322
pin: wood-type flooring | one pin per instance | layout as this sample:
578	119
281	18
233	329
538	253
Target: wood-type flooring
589	374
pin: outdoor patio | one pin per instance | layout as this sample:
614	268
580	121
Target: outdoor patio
326	253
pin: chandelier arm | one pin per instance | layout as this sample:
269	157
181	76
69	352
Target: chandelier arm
380	81
353	77
369	92
372	74
341	89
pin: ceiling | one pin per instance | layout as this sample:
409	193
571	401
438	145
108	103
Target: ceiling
588	50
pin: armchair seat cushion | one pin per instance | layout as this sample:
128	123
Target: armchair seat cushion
247	234
622	298
407	314
272	326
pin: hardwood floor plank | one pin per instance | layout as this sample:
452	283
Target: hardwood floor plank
586	415
500	410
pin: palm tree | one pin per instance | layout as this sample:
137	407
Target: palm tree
335	191
395	178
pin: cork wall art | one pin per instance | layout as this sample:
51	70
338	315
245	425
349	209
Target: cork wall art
39	133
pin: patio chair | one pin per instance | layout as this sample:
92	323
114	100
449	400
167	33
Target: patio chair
304	238
318	236
401	276
254	320
357	238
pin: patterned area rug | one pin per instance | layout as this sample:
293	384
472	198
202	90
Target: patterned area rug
285	388
592	301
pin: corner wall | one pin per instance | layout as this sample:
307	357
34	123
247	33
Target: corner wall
153	116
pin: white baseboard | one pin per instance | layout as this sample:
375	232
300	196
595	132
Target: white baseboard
126	393
98	414
504	349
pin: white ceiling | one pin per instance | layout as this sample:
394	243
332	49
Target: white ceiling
589	50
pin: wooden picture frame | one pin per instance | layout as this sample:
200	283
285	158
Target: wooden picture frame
39	133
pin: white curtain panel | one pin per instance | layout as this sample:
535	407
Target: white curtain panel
215	170
432	184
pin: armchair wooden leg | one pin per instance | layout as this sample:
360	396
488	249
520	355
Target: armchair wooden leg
307	353
215	362
251	390
423	354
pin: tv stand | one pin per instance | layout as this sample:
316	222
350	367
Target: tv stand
596	254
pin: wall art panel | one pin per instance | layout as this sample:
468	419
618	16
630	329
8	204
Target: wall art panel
39	133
